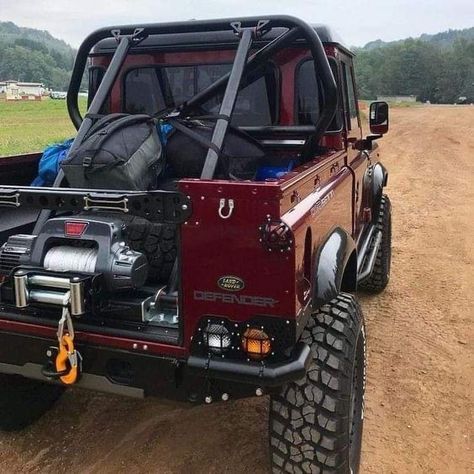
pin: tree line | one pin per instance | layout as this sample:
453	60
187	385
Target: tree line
432	71
438	68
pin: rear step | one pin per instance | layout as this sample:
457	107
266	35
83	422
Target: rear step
368	254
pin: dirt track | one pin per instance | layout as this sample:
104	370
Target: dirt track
420	401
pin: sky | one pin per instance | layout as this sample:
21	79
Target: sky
357	22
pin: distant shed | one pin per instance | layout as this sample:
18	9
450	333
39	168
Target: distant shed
15	90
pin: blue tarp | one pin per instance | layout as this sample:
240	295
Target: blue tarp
50	163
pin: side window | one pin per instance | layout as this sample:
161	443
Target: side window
350	96
310	97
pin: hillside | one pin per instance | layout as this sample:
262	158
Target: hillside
33	55
437	68
444	39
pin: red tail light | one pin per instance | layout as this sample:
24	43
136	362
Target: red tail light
74	228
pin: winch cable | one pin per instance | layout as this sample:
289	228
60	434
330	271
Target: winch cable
72	259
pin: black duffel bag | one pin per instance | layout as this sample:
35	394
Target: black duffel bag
187	147
119	152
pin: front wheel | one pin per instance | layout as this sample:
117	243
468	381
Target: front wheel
23	401
316	423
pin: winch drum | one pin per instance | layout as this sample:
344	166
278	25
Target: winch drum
72	259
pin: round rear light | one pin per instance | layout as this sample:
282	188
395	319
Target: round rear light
256	343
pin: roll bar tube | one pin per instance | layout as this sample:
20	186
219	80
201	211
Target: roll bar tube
227	106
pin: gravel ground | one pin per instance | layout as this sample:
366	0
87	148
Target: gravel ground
419	415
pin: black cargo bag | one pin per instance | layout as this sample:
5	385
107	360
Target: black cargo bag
187	147
119	152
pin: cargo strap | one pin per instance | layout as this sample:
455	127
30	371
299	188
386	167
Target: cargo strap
204	142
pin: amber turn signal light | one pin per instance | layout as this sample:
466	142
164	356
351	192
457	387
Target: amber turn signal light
256	343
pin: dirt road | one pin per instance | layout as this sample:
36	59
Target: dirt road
419	416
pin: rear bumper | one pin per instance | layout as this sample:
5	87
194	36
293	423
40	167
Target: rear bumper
104	369
256	373
138	375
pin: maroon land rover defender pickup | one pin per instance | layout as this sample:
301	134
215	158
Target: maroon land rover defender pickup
234	273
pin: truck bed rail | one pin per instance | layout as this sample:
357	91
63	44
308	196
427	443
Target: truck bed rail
168	207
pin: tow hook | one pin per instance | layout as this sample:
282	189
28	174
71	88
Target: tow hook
67	365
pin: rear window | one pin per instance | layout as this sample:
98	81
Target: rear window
309	95
153	89
96	74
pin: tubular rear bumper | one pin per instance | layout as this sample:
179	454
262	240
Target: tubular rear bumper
256	373
138	375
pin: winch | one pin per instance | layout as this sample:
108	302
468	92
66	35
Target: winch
84	245
60	267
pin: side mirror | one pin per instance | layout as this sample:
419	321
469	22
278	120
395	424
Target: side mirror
378	118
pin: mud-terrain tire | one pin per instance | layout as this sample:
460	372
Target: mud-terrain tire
316	423
380	275
158	242
23	401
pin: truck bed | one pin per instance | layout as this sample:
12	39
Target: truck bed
16	221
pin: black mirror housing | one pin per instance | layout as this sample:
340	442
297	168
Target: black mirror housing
378	117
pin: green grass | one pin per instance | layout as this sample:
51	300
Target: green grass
30	126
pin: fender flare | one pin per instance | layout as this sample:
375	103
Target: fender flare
379	181
330	264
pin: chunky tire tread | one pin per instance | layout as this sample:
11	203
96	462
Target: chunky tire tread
309	419
380	276
158	242
23	401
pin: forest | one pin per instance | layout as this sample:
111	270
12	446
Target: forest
438	68
31	55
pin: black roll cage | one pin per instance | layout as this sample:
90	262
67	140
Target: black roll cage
130	35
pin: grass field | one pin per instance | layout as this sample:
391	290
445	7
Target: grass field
31	126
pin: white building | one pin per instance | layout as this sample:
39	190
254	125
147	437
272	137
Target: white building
397	98
15	90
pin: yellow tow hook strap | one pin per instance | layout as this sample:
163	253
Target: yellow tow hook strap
68	360
67	354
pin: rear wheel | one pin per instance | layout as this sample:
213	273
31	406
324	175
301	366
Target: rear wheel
316	423
23	401
380	275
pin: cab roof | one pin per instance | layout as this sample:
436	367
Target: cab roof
216	39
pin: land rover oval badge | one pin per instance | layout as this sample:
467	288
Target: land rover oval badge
231	283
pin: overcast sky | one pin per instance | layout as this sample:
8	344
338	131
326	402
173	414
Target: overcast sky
357	22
